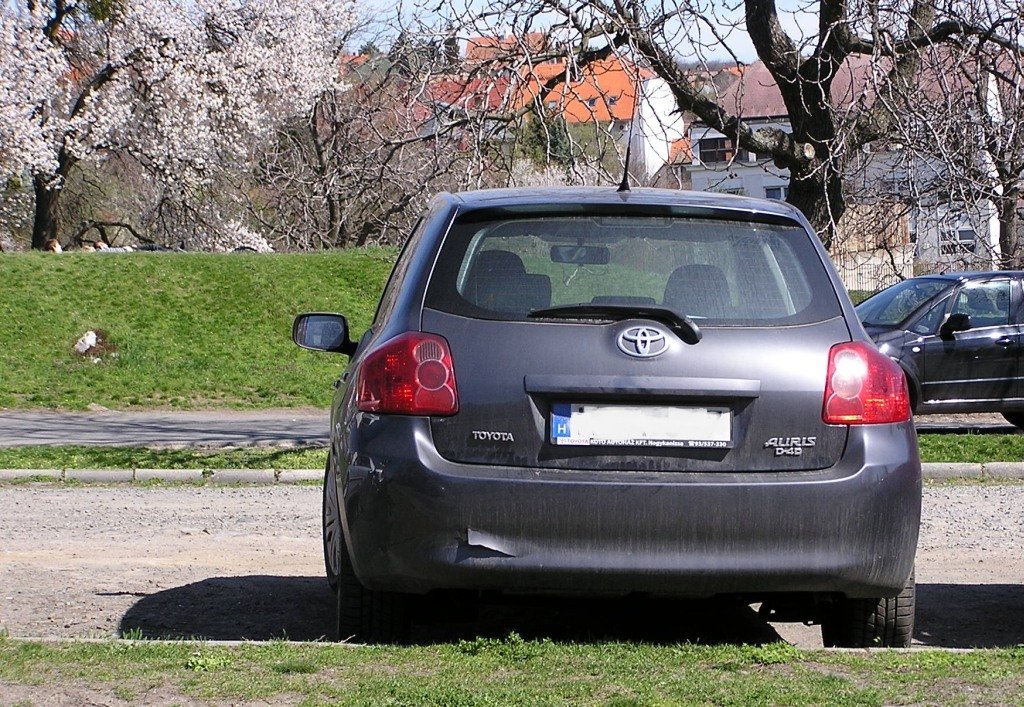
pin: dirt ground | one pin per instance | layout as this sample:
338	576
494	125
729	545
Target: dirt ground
246	563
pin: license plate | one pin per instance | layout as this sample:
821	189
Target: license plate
592	425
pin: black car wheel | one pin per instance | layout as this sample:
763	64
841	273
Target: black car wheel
871	623
1015	418
333	539
366	616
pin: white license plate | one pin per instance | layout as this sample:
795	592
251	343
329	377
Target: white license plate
591	425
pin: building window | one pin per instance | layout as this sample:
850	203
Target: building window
719	149
777	193
964	240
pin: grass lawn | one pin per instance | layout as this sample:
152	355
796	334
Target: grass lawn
190	330
934	448
506	672
971	448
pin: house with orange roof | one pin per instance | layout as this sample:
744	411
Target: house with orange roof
881	214
627	99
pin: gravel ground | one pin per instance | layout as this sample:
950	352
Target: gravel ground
234	563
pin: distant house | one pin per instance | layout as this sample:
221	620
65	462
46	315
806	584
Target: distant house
627	99
887	227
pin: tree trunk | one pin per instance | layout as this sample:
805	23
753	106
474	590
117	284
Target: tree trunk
44	227
1009	247
818	193
47	190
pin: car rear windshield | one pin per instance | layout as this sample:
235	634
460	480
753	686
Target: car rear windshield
719	272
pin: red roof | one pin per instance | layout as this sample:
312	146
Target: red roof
756	95
480	49
489	93
604	90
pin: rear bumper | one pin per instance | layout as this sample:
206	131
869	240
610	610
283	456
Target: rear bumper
415	522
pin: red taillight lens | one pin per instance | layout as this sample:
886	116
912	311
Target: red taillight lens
864	387
412	374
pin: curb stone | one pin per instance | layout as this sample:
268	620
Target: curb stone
951	470
15	474
241	476
1005	470
99	476
295	476
172	475
270	477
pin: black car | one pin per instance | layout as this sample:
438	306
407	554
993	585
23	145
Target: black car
957	336
584	391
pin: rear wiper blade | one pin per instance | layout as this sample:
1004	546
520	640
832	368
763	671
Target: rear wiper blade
684	327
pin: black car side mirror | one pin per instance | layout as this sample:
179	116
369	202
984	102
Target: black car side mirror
954	323
322	331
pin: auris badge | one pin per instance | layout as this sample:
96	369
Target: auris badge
790	446
642	342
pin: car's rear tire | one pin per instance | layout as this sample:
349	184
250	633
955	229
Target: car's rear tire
366	616
332	533
1015	418
871	623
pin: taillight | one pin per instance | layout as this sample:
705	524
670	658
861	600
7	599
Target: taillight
412	374
864	387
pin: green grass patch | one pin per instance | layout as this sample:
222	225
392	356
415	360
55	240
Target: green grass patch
971	448
510	672
143	458
185	330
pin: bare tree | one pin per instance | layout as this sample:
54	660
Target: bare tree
966	129
862	50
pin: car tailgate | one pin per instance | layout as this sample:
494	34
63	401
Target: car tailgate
513	376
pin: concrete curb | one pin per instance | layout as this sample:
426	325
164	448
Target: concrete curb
254	477
937	471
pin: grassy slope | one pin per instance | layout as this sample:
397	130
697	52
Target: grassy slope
191	330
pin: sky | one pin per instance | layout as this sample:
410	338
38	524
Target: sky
796	16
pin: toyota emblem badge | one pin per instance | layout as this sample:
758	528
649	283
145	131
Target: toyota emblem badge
642	342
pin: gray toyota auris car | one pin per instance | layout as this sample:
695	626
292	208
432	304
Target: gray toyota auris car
584	391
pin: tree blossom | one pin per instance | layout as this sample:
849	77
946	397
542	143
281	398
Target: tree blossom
184	88
31	67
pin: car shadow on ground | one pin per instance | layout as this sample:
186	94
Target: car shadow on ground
970	615
262	607
302	608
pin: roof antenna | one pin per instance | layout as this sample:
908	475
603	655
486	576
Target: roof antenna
624	184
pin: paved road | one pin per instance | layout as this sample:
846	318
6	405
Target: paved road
221	428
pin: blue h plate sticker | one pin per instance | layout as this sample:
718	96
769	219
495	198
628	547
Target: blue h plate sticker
560	413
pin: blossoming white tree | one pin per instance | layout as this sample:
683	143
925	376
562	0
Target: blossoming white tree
182	88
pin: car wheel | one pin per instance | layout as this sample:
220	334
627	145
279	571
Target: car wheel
871	623
1015	418
333	539
366	616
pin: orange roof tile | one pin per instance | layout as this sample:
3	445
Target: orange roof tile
603	90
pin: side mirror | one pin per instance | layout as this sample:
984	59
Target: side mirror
954	323
321	331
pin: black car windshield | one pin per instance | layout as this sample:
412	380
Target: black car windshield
718	272
892	306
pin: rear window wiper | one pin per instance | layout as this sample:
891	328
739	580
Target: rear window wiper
684	327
